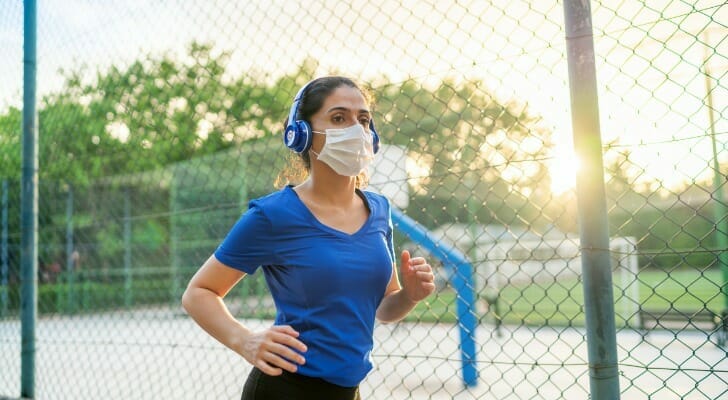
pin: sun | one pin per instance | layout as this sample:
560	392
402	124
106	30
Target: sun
563	168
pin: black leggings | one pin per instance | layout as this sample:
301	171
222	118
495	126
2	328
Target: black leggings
288	386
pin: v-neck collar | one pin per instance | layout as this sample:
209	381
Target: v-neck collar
310	215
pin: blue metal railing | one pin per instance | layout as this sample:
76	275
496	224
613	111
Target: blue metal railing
461	272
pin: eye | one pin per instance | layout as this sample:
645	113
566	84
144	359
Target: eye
364	120
337	118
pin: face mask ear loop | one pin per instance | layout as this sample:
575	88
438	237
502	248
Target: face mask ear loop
311	150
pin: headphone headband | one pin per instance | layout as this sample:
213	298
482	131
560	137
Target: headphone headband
296	101
297	134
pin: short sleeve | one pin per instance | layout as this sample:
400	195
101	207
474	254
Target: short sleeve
390	232
248	244
390	243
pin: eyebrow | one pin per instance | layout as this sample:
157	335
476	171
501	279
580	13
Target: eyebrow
339	108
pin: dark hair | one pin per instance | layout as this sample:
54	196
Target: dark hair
312	99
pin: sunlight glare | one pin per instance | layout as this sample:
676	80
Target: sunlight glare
563	168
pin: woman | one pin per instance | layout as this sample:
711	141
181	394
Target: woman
326	251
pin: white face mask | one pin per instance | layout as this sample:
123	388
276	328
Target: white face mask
347	151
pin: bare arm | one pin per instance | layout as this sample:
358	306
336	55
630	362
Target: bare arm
418	284
203	301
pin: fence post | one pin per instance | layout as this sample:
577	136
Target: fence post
29	206
719	207
128	294
591	199
70	259
4	261
174	247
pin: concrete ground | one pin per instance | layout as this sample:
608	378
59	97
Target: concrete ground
160	354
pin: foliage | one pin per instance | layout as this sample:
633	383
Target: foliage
483	158
116	139
155	112
10	125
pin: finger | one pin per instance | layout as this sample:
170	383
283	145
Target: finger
268	369
417	261
286	352
287	329
278	362
405	259
422	268
289	341
428	286
425	276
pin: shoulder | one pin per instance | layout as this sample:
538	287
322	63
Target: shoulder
276	206
279	198
373	196
377	202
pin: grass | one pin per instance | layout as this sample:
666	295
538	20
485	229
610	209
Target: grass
561	303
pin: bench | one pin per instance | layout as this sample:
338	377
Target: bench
672	319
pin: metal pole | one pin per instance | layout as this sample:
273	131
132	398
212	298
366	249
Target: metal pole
4	261
594	235
70	259
720	211
29	206
128	296
462	282
174	238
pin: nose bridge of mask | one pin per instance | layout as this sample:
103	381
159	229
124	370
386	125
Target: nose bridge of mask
354	134
349	131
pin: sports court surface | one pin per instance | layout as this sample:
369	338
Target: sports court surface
162	354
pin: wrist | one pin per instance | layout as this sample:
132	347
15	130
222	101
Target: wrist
407	298
238	337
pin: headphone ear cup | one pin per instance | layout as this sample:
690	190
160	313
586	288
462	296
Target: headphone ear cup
298	136
375	142
375	136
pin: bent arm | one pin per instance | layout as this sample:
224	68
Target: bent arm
395	305
418	281
271	350
203	301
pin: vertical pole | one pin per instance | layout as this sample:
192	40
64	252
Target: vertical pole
4	261
720	211
593	227
173	239
462	282
70	259
29	206
128	295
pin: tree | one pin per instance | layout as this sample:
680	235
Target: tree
155	112
484	157
10	125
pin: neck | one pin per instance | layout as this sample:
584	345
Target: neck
330	188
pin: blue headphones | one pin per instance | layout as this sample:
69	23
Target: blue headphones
298	133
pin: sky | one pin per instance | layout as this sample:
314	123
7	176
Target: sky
650	58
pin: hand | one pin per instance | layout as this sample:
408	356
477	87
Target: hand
417	277
272	350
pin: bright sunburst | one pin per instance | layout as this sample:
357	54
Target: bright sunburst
563	168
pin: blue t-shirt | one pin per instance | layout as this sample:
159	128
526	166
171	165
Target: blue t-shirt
326	284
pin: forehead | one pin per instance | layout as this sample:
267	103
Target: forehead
346	97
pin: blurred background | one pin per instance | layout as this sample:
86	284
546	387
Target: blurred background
159	121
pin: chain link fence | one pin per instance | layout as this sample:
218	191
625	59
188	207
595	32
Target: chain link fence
158	121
